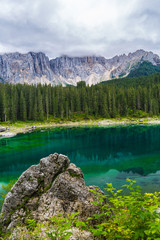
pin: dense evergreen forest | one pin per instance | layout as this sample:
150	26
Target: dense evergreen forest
144	69
135	97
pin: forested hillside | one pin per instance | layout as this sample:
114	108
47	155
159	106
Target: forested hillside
144	69
126	97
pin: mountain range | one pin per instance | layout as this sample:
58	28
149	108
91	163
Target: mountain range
34	68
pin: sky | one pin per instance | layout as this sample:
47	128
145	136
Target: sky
79	27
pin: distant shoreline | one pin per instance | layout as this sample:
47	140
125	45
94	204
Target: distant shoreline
12	129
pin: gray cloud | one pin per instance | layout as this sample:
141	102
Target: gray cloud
83	27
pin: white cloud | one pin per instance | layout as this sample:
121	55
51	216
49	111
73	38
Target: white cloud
76	27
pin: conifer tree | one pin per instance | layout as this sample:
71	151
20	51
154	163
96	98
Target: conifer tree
40	113
55	107
23	111
2	107
30	103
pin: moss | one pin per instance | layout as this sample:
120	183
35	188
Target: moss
26	198
30	179
47	187
73	174
22	205
8	220
40	182
40	187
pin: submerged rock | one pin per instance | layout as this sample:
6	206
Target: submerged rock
44	190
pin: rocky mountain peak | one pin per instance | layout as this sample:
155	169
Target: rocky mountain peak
33	68
25	68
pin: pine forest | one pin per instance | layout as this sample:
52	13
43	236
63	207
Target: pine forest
136	97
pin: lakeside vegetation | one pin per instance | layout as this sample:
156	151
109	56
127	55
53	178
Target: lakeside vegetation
132	216
135	97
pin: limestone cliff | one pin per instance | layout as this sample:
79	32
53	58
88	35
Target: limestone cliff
31	68
34	68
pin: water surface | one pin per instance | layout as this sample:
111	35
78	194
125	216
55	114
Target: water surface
105	154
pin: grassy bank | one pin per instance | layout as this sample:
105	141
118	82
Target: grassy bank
23	127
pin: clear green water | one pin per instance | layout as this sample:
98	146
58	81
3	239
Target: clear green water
105	154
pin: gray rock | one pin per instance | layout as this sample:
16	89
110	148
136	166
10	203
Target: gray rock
33	181
3	129
80	235
44	190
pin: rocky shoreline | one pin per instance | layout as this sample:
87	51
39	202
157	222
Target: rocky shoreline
13	129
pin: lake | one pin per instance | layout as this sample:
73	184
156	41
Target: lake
105	154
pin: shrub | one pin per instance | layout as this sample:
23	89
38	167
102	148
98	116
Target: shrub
61	226
134	216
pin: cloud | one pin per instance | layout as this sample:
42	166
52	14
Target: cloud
83	27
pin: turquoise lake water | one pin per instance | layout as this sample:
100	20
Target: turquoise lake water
105	154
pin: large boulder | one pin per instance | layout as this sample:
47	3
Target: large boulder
44	190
